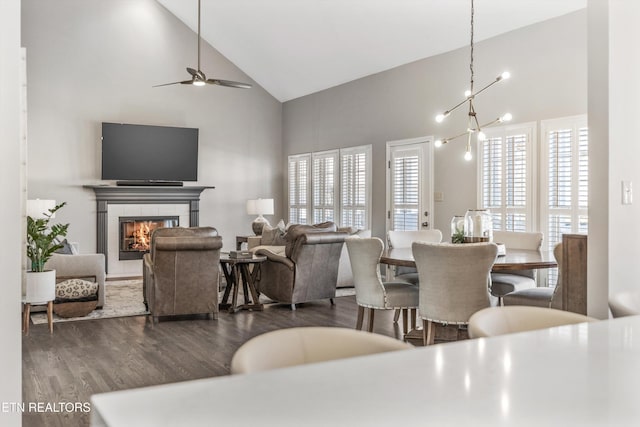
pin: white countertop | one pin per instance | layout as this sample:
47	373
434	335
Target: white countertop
582	375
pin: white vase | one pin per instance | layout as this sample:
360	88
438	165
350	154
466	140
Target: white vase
41	287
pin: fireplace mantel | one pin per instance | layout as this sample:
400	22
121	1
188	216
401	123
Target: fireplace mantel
109	194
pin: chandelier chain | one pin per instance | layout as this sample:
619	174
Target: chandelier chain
471	61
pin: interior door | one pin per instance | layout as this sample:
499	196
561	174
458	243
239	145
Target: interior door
410	184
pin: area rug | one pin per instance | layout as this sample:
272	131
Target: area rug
122	298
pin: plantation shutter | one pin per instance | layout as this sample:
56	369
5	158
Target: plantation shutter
405	187
324	186
566	168
507	177
355	178
299	188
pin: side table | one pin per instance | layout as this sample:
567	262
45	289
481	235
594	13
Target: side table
26	312
237	273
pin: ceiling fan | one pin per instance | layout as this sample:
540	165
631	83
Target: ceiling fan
198	78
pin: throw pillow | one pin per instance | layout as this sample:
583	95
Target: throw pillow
66	248
272	236
73	289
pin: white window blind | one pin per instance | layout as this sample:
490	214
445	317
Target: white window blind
355	187
299	188
506	176
565	169
405	187
331	185
323	184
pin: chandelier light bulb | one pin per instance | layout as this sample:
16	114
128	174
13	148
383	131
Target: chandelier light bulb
438	143
505	75
440	118
467	156
467	93
506	118
482	136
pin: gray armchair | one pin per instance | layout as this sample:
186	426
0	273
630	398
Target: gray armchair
308	270
181	272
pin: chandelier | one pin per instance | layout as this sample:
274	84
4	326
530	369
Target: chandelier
473	125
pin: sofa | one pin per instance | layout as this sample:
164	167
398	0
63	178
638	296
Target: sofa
307	270
181	272
273	240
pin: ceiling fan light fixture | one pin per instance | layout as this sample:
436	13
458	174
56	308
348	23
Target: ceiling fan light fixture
198	83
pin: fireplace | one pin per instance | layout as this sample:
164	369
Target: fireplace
135	232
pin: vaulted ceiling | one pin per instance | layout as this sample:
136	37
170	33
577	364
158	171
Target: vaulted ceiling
296	47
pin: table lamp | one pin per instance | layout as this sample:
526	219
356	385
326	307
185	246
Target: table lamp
259	207
37	208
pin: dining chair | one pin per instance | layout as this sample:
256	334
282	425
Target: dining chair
495	321
404	239
542	296
625	303
454	282
371	292
504	283
297	346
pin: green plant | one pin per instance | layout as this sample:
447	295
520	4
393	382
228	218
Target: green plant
458	236
42	238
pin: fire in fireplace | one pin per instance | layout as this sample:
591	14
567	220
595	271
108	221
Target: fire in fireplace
135	233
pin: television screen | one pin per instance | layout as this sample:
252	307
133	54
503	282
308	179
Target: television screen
149	153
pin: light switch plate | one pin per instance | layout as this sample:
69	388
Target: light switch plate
438	196
627	192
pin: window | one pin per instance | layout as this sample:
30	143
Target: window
299	188
339	183
405	187
506	176
355	187
323	183
565	169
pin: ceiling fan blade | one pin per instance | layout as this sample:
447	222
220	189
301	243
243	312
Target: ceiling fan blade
191	71
185	82
229	83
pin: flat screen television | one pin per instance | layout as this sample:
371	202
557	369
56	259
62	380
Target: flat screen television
149	153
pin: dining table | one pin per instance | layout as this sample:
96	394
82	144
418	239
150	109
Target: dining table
514	259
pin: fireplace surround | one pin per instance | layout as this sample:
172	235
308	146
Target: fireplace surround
141	199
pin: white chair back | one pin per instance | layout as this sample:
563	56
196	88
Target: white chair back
494	321
297	346
404	239
519	240
625	303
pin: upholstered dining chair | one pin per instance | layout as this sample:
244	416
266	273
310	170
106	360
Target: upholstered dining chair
371	292
454	282
297	346
625	303
542	296
504	283
494	321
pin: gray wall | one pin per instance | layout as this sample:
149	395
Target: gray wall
11	213
92	61
547	62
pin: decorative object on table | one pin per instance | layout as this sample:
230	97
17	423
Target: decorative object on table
457	229
42	242
478	226
259	207
473	125
240	254
198	78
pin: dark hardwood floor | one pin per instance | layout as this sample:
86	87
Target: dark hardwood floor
87	357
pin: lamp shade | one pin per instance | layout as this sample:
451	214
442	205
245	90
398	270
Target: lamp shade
37	208
260	207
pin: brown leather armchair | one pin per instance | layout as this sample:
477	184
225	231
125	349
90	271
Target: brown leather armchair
309	269
181	272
